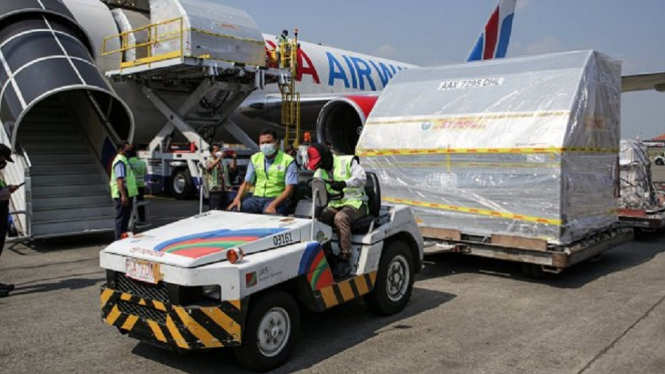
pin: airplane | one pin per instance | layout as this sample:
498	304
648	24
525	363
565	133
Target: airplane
338	87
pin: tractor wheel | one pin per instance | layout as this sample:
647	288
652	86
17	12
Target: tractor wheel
394	281
271	330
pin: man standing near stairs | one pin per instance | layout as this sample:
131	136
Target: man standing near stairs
123	189
139	168
5	194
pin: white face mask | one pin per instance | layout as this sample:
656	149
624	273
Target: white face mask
218	154
268	149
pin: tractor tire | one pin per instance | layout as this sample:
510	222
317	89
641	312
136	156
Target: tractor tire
272	327
394	281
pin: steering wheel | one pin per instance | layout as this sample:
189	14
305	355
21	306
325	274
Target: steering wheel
331	196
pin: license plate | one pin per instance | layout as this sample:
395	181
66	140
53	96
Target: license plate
142	270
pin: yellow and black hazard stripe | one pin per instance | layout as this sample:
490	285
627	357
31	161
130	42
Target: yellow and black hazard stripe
345	291
181	327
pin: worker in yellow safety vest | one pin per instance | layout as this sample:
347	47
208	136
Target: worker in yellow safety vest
123	189
342	174
283	49
274	176
139	168
6	190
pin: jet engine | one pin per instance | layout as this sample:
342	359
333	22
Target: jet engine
341	121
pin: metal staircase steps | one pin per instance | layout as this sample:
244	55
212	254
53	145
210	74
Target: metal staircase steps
67	189
64	168
46	202
70	193
58	158
66	227
44	214
49	148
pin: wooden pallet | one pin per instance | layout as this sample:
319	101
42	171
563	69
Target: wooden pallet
552	257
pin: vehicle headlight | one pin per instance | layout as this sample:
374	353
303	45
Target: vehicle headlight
212	292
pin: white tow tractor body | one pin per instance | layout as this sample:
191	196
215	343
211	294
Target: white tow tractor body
225	279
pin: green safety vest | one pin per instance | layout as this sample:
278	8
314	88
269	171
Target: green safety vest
139	169
130	180
3	185
282	39
353	196
273	182
213	178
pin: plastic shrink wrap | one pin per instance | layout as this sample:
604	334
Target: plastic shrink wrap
637	189
209	30
525	147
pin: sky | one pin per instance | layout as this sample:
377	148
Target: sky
440	32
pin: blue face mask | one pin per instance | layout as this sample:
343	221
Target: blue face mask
268	149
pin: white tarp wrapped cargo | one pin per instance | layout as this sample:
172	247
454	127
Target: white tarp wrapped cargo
637	189
209	30
524	146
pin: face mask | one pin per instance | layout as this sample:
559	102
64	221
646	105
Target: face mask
268	149
218	154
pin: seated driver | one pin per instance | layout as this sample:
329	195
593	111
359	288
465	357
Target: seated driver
273	174
341	173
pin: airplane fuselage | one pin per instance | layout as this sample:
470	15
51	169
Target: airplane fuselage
324	69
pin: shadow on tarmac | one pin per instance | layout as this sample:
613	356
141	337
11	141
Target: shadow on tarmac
100	239
625	256
322	335
63	284
161	211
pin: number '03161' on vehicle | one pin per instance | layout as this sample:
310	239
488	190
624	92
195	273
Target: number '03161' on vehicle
282	239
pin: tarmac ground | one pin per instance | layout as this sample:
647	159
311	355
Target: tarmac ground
466	315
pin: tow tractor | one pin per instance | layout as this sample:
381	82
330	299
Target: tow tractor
227	279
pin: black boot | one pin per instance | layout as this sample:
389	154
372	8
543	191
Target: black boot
8	287
342	268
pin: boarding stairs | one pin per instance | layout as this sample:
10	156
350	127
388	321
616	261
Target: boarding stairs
70	192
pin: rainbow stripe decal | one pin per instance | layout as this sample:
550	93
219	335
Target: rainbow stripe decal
205	243
314	264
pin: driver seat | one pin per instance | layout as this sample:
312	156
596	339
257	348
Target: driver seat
373	192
